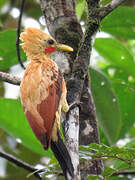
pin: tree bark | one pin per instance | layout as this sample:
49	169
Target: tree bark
63	25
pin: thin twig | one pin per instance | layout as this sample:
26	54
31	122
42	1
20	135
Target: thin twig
6	77
19	163
18	35
112	157
104	11
127	172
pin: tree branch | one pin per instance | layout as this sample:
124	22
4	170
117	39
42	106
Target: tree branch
104	11
127	172
20	163
6	77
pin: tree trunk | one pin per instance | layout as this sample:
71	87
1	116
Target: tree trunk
63	25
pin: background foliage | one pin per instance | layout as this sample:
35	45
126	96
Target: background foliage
112	81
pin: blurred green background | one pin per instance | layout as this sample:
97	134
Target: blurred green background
112	81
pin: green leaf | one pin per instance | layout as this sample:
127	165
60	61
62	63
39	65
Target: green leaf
126	96
115	53
13	121
103	138
107	105
94	177
2	2
104	2
124	86
108	171
34	10
124	157
131	144
80	8
118	178
8	55
131	131
121	23
114	152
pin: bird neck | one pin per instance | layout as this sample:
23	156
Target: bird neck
38	57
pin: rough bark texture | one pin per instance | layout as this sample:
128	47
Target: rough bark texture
63	25
104	11
9	78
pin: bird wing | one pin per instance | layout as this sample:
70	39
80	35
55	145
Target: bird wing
41	90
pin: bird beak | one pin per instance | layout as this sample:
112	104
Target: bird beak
62	47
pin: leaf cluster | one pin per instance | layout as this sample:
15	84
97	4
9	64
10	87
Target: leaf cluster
123	158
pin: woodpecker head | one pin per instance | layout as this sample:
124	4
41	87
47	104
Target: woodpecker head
36	43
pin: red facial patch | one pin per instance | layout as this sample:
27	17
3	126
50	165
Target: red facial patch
50	49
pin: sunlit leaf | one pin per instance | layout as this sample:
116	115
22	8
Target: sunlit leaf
124	157
124	85
115	53
2	2
121	23
8	55
93	177
107	105
118	178
13	121
108	171
80	8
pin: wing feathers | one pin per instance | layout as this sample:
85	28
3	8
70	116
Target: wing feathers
41	103
48	107
38	130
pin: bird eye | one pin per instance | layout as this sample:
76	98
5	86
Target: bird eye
50	41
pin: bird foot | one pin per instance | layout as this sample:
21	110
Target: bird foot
74	104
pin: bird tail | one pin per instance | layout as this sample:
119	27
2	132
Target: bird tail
61	153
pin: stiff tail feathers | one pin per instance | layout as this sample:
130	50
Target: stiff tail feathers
61	153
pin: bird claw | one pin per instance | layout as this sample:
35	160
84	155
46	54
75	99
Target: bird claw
74	104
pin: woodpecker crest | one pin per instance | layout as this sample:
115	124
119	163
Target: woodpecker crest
38	44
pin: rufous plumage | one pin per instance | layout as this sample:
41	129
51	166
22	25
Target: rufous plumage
43	93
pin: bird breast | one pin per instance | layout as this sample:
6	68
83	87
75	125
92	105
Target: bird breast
38	77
